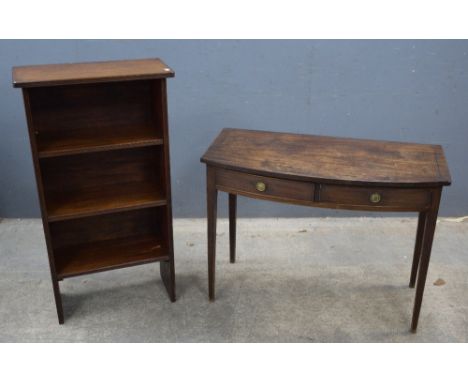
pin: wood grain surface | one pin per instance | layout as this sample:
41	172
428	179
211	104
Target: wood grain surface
90	72
329	159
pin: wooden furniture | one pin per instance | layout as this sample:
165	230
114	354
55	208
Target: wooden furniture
328	172
100	146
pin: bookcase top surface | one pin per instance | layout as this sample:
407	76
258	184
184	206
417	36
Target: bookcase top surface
90	72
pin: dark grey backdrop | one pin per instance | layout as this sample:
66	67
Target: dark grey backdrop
396	90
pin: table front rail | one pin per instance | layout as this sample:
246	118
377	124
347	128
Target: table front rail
323	195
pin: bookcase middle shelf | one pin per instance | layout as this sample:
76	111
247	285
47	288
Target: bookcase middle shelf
103	182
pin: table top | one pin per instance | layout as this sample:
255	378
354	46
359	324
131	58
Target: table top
329	159
90	72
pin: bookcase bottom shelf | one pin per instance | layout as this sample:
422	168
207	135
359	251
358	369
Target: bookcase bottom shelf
108	254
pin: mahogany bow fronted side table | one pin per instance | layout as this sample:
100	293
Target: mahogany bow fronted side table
327	172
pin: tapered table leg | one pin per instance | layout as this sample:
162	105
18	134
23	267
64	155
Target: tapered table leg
211	202
431	220
418	247
232	227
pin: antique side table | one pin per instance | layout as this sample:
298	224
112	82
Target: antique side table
327	172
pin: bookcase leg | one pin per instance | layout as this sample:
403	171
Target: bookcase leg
58	301
167	271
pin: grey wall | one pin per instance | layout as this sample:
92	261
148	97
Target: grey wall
396	90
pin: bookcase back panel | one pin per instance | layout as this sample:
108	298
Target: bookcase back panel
81	115
99	171
149	221
79	107
87	184
100	243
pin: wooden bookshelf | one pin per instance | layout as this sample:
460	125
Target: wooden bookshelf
100	146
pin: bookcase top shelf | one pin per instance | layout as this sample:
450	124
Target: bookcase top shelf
90	72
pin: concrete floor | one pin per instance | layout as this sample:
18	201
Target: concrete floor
296	280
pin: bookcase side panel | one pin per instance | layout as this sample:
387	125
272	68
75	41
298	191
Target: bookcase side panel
43	207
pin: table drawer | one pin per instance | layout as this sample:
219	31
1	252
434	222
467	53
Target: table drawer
410	199
265	187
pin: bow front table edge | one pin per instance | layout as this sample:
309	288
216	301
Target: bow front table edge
327	172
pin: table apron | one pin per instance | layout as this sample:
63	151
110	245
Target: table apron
323	195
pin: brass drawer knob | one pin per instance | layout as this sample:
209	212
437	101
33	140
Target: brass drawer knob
260	186
375	197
